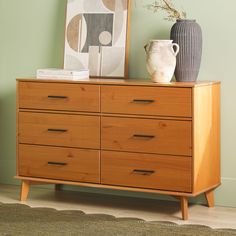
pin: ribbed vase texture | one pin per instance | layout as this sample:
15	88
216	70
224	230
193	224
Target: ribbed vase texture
188	35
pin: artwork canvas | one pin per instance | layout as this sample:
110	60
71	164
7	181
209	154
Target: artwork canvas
96	37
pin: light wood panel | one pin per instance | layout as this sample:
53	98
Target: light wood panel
210	198
184	207
206	130
59	96
151	136
123	82
59	163
25	185
146	100
106	186
146	171
139	120
127	47
59	130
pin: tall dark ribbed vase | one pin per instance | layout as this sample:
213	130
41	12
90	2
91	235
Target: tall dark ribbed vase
188	34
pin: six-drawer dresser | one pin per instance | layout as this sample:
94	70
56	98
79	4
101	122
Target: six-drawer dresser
120	134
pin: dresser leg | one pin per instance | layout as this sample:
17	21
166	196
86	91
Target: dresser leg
210	198
25	185
58	187
184	207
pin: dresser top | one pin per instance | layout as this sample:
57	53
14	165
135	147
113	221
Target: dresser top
123	82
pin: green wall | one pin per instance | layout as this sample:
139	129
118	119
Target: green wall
31	37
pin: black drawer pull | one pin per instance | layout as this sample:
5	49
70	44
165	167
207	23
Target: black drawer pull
57	163
143	101
143	172
57	97
143	136
58	130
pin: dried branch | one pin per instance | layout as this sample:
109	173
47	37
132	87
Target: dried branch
167	6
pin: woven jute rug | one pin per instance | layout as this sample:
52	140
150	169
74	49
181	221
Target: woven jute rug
19	219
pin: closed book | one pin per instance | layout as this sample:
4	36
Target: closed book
64	72
64	77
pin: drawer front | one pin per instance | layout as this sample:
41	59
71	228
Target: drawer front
59	130
147	135
59	96
159	101
59	163
146	171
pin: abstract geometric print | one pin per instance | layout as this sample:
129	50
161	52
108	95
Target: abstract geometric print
96	36
99	30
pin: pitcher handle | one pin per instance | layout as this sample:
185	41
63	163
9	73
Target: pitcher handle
177	48
146	47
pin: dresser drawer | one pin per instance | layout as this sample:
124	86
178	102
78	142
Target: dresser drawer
59	130
146	135
146	170
59	96
59	163
159	101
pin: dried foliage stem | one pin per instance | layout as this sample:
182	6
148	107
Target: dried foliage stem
168	7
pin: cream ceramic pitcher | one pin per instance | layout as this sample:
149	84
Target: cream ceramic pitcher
161	60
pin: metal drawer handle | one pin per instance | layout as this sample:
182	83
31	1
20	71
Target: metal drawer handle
58	130
57	163
57	97
143	101
143	172
143	136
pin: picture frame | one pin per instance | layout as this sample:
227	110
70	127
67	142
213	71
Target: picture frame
97	34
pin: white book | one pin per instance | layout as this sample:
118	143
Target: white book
64	77
64	72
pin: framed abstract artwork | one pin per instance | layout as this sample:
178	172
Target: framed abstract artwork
97	37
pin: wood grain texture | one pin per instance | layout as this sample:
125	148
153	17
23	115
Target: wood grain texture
166	136
17	126
59	163
184	207
76	130
25	186
106	186
123	82
210	198
154	138
127	48
206	138
147	117
146	101
71	97
147	171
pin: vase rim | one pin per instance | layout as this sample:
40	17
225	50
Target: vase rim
186	20
161	40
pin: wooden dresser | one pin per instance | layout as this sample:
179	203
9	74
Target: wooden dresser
117	134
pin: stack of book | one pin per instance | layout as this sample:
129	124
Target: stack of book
62	74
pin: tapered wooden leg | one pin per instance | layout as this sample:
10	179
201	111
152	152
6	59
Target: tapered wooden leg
58	187
184	207
210	198
24	190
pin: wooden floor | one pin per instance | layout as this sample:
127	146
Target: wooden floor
147	209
